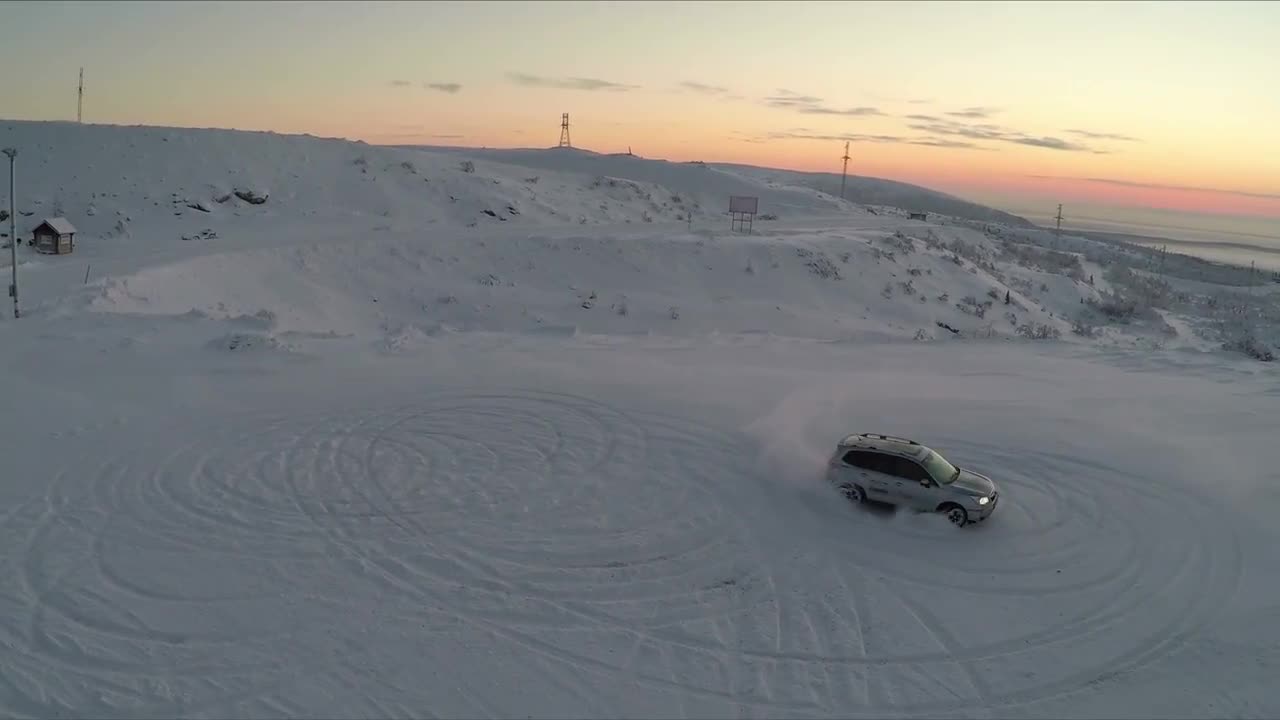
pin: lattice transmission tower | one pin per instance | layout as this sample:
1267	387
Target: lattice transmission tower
564	131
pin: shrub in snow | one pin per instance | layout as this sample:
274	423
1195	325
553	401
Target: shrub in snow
409	167
822	266
922	336
675	313
1244	341
901	243
887	291
969	305
914	272
908	288
844	257
467	166
943	297
1039	331
253	197
768	216
1114	307
1083	328
993	293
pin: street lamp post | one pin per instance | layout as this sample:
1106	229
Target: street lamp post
13	233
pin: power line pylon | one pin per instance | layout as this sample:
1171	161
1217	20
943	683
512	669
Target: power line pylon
564	131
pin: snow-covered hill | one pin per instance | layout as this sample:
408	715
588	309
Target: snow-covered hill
335	238
883	193
535	434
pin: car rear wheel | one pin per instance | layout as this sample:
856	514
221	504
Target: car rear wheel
956	514
853	493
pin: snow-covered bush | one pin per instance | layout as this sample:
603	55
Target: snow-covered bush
467	166
969	305
1039	331
1243	340
1082	327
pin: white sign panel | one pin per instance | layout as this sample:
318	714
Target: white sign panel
743	204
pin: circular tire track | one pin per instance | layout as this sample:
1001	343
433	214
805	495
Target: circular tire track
539	518
514	513
1068	531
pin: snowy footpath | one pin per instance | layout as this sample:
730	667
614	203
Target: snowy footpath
495	525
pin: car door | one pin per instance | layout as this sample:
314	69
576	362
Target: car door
871	469
913	483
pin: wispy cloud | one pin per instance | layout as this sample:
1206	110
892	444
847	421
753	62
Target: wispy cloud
704	88
975	113
1163	186
450	88
801	134
570	83
848	112
400	83
995	133
787	99
812	105
1103	136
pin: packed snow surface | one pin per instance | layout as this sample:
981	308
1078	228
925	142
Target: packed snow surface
361	450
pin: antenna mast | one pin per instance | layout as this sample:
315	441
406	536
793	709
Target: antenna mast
564	131
1058	230
80	98
844	171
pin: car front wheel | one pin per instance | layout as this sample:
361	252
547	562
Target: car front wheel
956	514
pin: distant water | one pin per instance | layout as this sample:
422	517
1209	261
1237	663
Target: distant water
1225	238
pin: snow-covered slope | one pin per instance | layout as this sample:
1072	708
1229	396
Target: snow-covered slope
880	192
366	450
369	242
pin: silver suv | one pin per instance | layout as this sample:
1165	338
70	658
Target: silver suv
898	471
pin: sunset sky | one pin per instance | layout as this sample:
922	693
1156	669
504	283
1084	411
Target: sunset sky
1164	105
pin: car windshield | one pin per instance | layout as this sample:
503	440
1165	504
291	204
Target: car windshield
941	470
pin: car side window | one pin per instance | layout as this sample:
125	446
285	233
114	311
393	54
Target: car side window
859	459
910	470
867	460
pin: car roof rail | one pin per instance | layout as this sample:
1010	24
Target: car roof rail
891	438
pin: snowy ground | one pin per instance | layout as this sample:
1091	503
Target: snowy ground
357	463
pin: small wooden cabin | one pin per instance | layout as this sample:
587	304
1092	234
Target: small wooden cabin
917	216
54	236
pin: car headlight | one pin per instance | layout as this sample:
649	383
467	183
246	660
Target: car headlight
984	500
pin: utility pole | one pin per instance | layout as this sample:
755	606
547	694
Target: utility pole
1058	217
845	171
80	98
13	233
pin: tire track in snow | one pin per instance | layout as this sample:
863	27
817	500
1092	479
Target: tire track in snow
554	526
